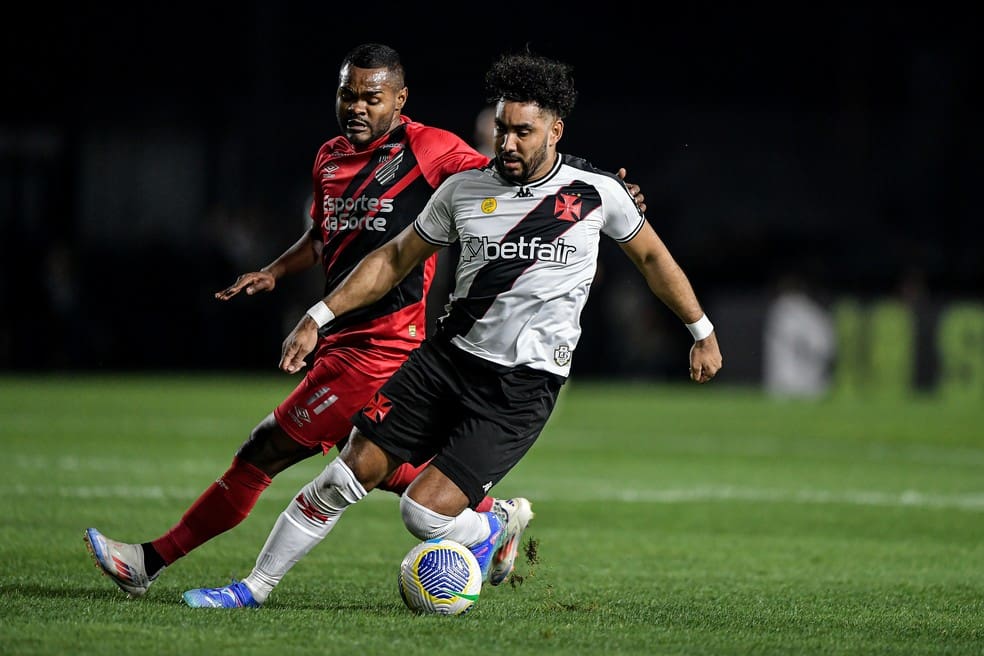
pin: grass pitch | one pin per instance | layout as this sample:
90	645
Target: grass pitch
669	520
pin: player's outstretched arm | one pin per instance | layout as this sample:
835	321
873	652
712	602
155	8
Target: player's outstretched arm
668	282
304	254
375	275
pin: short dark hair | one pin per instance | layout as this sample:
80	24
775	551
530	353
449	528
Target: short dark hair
375	55
527	77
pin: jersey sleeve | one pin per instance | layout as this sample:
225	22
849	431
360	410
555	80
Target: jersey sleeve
623	220
441	153
434	224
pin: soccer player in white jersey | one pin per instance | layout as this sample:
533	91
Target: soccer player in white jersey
475	396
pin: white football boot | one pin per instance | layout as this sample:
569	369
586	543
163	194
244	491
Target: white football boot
121	562
516	514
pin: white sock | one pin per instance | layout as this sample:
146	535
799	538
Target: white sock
303	524
469	527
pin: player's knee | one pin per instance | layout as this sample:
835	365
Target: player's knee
422	522
270	449
259	440
370	463
336	487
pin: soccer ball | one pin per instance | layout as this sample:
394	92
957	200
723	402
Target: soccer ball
440	577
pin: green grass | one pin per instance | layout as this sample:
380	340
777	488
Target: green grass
670	520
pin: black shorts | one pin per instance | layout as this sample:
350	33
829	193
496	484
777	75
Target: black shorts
475	418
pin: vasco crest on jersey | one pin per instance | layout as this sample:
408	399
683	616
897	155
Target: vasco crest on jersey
562	355
574	201
567	207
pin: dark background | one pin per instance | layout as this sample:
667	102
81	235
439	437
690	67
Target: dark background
151	153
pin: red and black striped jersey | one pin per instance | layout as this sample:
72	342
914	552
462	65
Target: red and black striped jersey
363	199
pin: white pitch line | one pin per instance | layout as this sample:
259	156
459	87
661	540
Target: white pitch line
905	499
770	446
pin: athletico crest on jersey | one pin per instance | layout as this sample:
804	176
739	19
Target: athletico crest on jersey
386	173
377	408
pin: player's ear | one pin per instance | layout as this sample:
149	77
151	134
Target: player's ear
556	131
401	98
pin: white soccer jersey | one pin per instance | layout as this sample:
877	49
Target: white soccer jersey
528	257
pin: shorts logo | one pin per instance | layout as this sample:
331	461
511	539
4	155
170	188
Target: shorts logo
562	355
567	207
377	408
489	205
299	415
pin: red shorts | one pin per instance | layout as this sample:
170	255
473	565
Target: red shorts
339	384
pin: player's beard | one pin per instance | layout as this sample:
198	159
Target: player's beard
371	129
527	166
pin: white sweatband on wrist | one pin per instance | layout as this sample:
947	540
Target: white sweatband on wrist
321	313
701	328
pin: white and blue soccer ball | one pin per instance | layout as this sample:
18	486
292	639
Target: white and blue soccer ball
440	577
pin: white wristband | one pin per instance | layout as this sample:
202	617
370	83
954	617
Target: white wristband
701	328
321	313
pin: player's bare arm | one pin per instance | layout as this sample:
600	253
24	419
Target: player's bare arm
375	275
670	284
302	255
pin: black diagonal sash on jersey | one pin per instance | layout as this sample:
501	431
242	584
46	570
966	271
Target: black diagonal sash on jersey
377	180
346	250
549	220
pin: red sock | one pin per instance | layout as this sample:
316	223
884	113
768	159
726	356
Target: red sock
400	479
223	505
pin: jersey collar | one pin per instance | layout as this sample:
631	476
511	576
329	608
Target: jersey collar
523	189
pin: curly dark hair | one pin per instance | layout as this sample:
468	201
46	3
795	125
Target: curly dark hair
526	77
